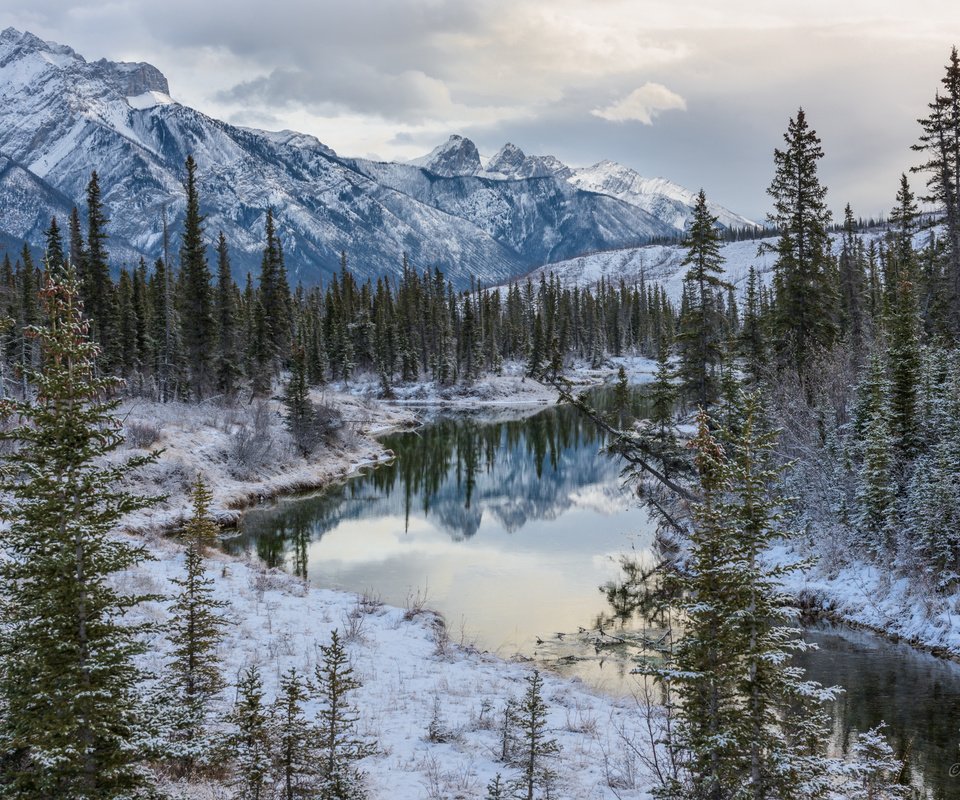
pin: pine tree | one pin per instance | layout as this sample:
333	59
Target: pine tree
68	681
293	741
805	299
940	142
873	770
275	296
199	326
497	789
249	743
301	415
228	357
852	285
663	398
702	322
535	363
876	491
535	752
97	288
748	724
196	631
53	258
338	743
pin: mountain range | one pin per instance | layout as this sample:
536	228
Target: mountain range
61	117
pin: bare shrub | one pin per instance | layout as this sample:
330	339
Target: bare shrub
415	604
141	434
253	444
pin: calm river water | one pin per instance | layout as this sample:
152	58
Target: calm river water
509	522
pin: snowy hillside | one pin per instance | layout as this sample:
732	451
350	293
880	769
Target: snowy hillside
62	117
662	264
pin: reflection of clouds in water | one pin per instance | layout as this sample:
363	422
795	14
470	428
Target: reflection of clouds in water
604	499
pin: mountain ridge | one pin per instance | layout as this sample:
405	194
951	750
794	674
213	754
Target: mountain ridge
62	116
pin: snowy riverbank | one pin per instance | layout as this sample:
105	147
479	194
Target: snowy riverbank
433	707
244	452
867	596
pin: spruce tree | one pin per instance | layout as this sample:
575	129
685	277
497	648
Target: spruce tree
876	491
339	746
293	740
68	680
249	741
196	631
228	357
621	394
748	724
301	414
805	298
97	288
940	144
535	752
702	322
199	326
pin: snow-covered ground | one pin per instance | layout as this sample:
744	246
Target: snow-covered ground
511	388
415	676
244	452
869	596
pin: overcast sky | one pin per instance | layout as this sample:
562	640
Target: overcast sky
696	91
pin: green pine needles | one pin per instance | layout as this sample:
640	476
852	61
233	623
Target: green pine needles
72	717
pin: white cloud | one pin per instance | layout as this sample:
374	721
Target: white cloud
642	104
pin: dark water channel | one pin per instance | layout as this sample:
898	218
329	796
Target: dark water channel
509	521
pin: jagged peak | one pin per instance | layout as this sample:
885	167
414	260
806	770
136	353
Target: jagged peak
128	78
507	160
456	156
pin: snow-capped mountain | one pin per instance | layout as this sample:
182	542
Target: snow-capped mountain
61	117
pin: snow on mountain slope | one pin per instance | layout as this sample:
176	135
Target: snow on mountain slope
659	264
662	264
662	198
62	117
455	157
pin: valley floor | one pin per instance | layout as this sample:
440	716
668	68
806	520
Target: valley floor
416	680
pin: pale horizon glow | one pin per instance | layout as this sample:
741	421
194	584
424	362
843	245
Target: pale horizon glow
689	91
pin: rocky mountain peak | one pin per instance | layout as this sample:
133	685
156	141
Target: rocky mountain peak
508	160
132	79
457	156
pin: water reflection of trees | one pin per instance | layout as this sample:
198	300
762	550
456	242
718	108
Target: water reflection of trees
453	470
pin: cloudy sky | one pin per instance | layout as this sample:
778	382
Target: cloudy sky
693	90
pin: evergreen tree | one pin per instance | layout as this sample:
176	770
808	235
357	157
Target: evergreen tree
876	492
199	326
53	257
249	743
301	414
749	725
338	743
535	364
852	284
535	752
702	322
805	299
293	741
275	296
228	356
97	288
663	398
196	631
752	341
621	395
68	681
940	142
